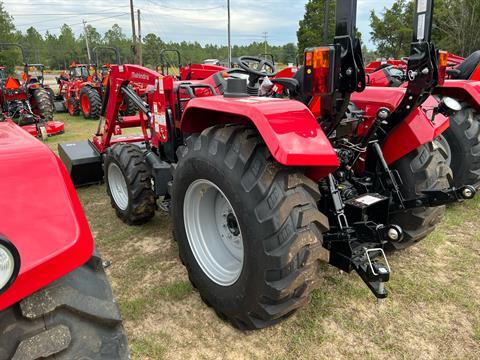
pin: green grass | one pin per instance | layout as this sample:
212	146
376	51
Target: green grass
149	346
433	310
175	291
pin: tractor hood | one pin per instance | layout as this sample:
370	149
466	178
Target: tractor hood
40	213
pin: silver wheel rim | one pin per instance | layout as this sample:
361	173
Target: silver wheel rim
445	149
118	186
213	232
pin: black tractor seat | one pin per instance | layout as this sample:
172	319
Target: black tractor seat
290	84
465	70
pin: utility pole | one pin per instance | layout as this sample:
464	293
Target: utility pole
326	19
86	41
265	35
132	14
140	59
229	36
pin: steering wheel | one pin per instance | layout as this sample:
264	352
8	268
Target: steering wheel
260	69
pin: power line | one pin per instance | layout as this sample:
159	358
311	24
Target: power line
63	14
81	23
185	9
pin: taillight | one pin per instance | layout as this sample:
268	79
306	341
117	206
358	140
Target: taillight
442	66
319	71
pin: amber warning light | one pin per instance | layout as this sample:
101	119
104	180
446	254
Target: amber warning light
442	66
319	71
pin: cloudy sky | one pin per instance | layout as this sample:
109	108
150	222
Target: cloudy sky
204	21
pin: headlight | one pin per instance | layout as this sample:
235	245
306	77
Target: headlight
9	264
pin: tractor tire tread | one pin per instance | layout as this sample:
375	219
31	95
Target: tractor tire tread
44	104
286	212
94	100
74	317
130	158
463	137
422	169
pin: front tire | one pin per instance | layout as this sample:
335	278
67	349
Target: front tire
269	208
75	317
422	169
129	184
73	107
90	102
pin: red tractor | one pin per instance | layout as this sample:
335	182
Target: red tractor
82	88
55	299
80	91
461	141
259	191
28	102
188	71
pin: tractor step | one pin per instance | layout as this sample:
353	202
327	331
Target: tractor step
83	162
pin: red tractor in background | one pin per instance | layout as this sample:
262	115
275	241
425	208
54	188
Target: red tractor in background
260	191
461	141
185	72
28	102
82	88
83	91
55	298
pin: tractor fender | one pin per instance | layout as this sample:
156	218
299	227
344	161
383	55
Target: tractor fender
40	214
288	128
416	130
462	90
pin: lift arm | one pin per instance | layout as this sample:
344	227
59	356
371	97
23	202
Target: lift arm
422	68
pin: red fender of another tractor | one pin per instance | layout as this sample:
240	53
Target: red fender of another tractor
40	214
199	71
417	129
462	90
288	128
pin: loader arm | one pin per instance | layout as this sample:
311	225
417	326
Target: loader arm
117	89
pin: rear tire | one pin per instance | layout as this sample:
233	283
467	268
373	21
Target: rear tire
277	217
51	94
463	138
43	105
90	102
129	184
422	169
75	317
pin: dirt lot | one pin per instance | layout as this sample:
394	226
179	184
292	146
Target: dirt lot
433	311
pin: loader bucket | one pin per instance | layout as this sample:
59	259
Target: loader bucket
83	162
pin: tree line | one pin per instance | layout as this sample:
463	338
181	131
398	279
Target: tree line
455	27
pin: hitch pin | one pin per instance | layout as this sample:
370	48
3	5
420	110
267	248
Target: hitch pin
368	251
381	284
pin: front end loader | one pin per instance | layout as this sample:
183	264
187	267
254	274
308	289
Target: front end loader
259	193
